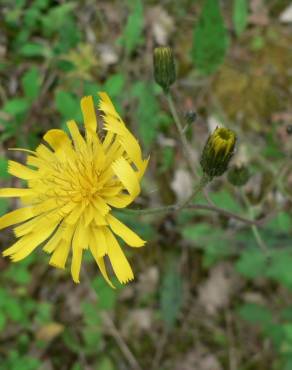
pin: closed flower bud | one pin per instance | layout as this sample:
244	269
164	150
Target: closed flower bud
190	117
289	129
164	67
218	151
238	175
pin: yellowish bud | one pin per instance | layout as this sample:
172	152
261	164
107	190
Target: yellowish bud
164	67
218	151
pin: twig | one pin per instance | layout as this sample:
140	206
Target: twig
159	350
231	349
254	227
114	331
120	341
205	207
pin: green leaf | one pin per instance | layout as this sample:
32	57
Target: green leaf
132	33
76	367
16	106
225	200
56	17
31	82
68	105
281	223
14	310
106	295
171	294
252	263
19	274
256	314
240	15
2	321
218	248
43	312
92	338
280	268
4	205
287	328
91	314
33	49
210	40
147	114
3	169
105	363
195	232
31	18
115	85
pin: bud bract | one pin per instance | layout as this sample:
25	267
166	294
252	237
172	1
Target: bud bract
238	175
164	67
218	151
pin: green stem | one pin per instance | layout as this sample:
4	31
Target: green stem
254	227
172	207
150	211
179	126
203	182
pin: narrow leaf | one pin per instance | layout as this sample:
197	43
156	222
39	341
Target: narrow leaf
240	14
210	41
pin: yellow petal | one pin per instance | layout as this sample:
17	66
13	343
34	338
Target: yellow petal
26	227
73	217
88	215
21	171
118	260
57	139
99	219
54	241
45	153
13	192
127	176
77	138
120	201
81	234
114	124
60	254
105	104
99	240
101	205
29	242
77	248
36	162
35	223
101	265
89	116
76	262
129	236
14	217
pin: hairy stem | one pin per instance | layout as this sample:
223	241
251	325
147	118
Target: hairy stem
179	126
254	227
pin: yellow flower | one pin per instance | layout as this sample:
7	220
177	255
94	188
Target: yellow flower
72	187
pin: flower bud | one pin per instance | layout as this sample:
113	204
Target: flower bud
190	117
164	67
238	175
218	151
289	129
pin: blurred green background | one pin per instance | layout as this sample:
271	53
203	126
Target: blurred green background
205	297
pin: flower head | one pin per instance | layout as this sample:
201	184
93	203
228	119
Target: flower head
218	151
72	186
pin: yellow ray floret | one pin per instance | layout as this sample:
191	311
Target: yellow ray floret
72	186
